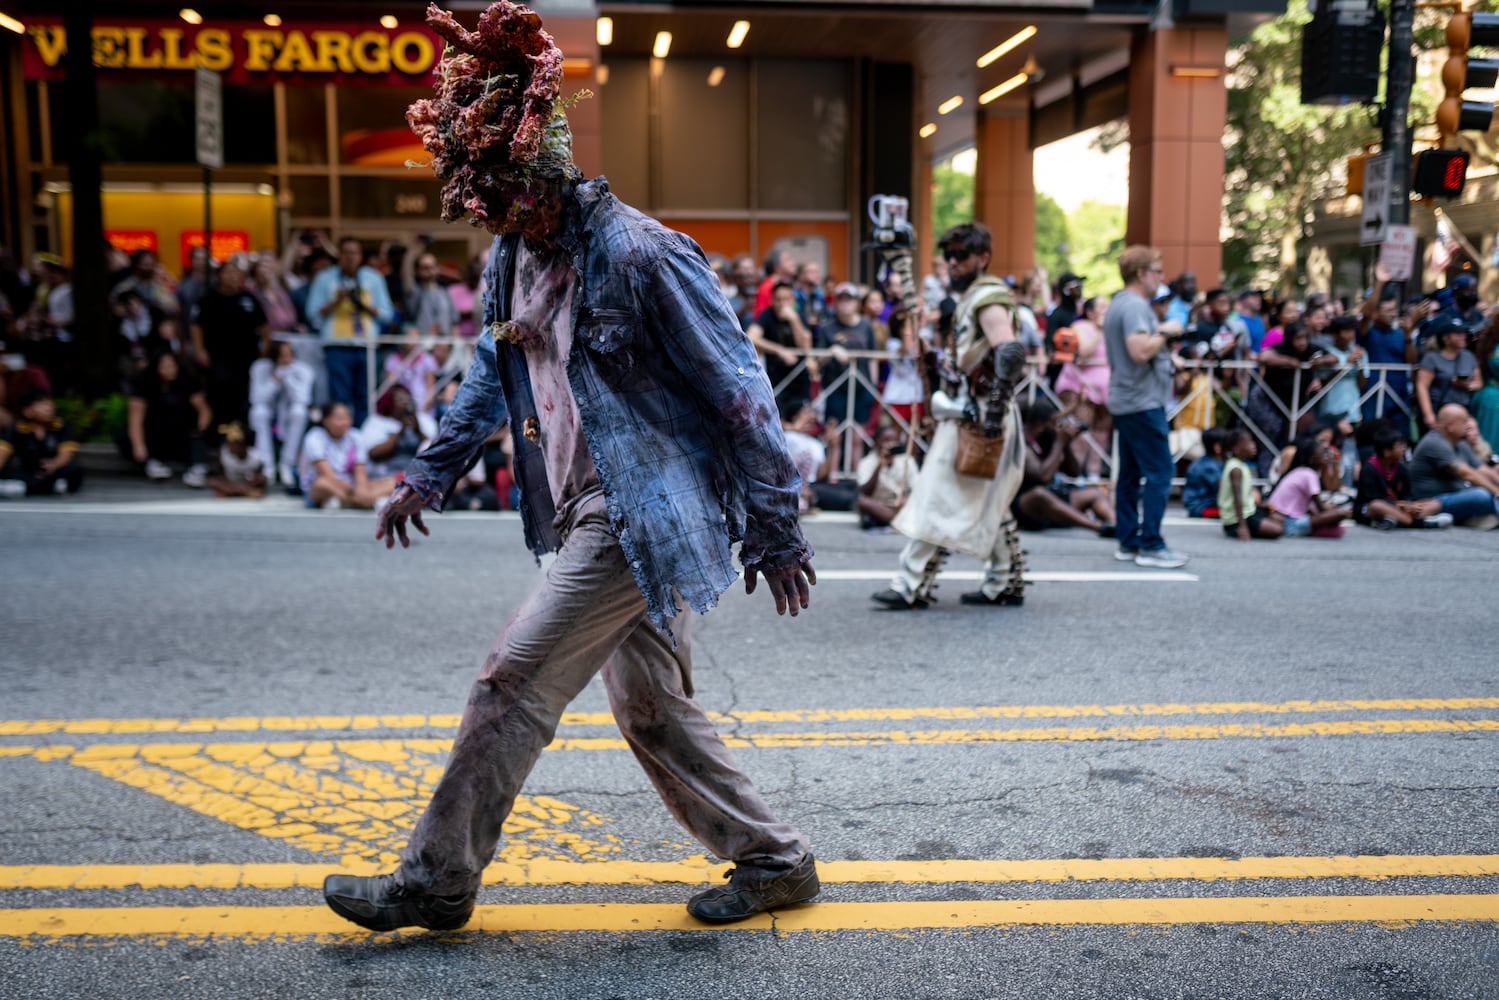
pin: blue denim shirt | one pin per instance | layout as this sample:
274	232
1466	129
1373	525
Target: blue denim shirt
679	417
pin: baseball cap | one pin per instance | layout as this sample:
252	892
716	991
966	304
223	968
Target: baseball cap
1464	281
1443	324
1161	294
1064	343
846	290
1068	278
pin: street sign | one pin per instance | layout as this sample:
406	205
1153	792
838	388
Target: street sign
1398	251
210	119
1377	174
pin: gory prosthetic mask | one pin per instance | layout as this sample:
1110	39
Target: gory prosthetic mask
497	129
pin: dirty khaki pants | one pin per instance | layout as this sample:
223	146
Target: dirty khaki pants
588	613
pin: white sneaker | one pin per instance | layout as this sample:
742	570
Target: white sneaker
196	477
1442	520
1161	558
157	470
333	503
1126	555
288	476
60	487
12	488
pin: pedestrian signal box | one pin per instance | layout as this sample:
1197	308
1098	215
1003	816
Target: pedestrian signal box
1440	173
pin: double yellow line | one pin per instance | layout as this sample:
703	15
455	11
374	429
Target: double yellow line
264	923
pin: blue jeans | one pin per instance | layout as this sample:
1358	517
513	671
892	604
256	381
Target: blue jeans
1464	505
347	371
1144	452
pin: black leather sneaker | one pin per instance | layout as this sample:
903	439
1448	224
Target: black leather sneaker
1003	599
747	895
381	903
896	601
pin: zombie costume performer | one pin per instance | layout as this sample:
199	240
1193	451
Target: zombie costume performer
949	511
645	443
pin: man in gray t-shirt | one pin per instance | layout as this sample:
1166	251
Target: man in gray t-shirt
1444	468
1139	392
1134	385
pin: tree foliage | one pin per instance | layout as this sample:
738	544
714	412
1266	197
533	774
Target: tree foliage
1097	239
952	197
1053	237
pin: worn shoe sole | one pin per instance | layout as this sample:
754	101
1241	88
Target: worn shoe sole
1002	601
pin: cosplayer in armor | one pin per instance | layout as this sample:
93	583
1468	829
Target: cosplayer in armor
952	510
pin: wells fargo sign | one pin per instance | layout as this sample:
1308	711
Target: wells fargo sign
243	53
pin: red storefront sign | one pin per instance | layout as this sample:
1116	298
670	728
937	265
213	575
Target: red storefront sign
226	243
244	52
131	240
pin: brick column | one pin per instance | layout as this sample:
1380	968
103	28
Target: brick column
1004	188
1176	148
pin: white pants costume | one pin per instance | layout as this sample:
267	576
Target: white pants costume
280	396
951	512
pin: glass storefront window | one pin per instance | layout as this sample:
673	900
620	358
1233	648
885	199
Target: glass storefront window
372	125
306	126
390	198
625	117
704	135
802	121
151	121
309	196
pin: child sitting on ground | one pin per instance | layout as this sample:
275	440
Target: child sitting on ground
38	455
243	467
1384	490
1238	501
1200	494
1295	496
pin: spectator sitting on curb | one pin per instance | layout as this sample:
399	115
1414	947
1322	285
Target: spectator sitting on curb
334	463
168	417
38	453
242	468
1200	494
1238	509
395	432
1295	496
1444	468
280	393
1043	503
886	476
1384	490
813	459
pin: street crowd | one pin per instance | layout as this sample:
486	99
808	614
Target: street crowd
1291	415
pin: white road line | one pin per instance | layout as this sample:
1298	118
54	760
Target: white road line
1042	576
208	507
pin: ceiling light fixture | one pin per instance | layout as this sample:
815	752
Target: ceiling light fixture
10	23
737	33
389	22
1003	88
603	31
663	44
190	16
272	20
953	103
1020	37
928	130
715	76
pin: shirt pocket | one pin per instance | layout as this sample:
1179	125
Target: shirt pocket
611	339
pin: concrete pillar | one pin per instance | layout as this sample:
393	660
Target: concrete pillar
1177	110
1004	188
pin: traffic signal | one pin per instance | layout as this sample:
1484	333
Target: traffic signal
1466	30
1440	173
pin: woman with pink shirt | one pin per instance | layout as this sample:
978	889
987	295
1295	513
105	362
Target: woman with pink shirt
270	290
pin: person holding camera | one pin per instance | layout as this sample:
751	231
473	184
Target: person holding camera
349	304
886	477
1140	377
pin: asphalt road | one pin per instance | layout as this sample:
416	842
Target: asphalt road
1270	775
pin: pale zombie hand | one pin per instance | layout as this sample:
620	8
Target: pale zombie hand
390	524
789	586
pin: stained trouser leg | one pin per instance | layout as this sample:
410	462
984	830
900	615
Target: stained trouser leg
585	605
919	564
650	691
